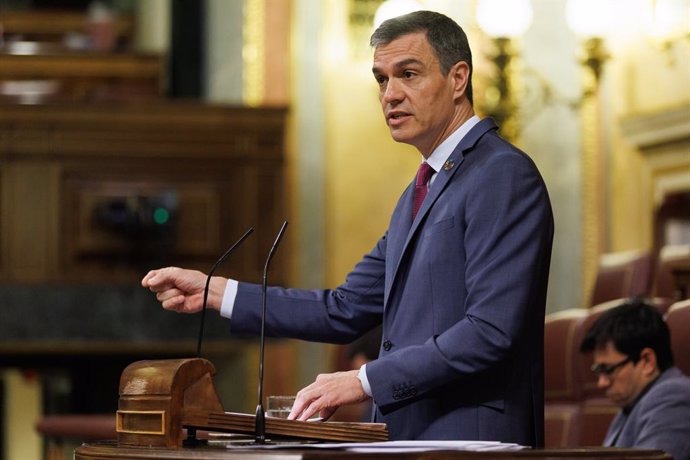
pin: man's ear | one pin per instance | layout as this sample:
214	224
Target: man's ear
460	73
648	361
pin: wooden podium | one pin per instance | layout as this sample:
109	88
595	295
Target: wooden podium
159	399
110	451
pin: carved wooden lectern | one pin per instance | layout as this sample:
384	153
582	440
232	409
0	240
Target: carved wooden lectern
160	398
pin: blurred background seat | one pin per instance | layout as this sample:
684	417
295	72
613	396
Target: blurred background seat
678	320
673	272
622	274
561	391
62	433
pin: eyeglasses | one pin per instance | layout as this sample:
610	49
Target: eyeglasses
608	369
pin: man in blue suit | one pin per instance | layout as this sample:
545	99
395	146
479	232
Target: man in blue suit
633	360
458	280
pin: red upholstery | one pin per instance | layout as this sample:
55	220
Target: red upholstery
79	427
560	354
561	424
670	257
678	320
622	274
59	431
561	391
595	417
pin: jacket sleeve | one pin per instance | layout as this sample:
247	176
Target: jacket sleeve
334	316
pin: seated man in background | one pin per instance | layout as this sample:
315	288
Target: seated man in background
634	363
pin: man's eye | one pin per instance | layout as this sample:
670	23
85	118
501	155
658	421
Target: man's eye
408	74
380	79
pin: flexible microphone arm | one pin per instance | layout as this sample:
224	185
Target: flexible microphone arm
260	426
208	282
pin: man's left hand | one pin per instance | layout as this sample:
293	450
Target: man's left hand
326	394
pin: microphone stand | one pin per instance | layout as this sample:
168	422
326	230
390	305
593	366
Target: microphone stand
260	423
208	282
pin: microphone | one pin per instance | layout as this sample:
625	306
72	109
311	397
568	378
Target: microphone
208	282
260	423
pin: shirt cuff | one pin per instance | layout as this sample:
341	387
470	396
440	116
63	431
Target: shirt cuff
229	299
362	376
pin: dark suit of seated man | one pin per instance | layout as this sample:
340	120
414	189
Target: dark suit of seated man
634	363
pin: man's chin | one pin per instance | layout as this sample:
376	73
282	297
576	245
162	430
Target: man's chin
399	136
617	401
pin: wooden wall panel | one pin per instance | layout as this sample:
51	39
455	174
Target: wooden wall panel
62	166
29	221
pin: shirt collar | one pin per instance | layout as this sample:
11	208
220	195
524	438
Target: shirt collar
439	156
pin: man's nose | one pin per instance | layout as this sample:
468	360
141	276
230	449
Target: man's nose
603	381
393	93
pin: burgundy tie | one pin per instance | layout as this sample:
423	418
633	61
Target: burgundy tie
420	188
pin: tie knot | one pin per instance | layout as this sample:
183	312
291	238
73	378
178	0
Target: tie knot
424	173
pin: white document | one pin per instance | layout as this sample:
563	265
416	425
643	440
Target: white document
397	446
418	446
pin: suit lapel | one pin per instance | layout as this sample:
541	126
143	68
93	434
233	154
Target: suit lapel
401	241
401	223
615	429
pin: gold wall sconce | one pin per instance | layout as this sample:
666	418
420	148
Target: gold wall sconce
669	26
504	21
590	20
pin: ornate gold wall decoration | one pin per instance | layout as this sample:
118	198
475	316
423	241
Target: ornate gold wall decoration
253	52
592	186
503	90
361	26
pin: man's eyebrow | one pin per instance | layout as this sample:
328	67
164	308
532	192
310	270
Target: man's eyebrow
400	64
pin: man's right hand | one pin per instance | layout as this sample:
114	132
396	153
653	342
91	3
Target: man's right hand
182	290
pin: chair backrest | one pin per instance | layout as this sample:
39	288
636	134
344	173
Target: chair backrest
561	425
561	354
678	320
561	388
622	274
670	257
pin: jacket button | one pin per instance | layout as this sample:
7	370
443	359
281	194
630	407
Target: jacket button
387	345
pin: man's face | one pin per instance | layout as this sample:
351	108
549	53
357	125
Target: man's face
624	383
418	100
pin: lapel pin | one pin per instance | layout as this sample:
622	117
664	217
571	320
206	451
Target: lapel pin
448	165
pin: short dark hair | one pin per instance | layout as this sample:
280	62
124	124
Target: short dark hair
632	326
445	36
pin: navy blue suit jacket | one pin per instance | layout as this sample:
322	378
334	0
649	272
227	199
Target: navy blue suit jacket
461	294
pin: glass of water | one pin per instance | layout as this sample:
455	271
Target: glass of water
279	406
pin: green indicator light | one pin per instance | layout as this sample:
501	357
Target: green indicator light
161	216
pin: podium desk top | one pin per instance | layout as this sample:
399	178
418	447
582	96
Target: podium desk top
112	451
